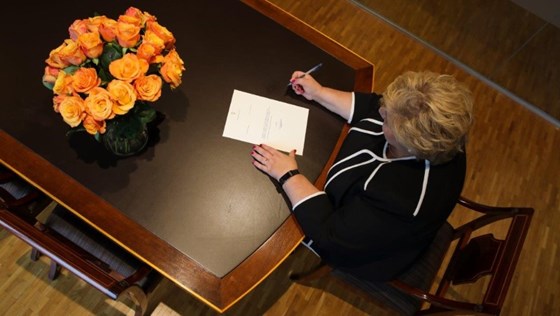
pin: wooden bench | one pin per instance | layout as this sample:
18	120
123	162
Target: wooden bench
69	242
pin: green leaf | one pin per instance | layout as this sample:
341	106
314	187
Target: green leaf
105	76
71	69
111	52
49	85
144	112
75	130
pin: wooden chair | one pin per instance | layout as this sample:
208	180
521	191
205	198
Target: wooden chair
69	242
471	259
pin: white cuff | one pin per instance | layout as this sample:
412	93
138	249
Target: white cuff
352	108
307	198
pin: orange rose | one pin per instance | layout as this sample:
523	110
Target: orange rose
72	53
85	79
49	76
63	84
152	38
148	87
172	69
72	110
94	23
68	53
152	45
128	68
162	32
78	28
55	59
136	13
172	73
99	104
57	99
158	59
123	94
93	127
146	52
148	18
91	44
128	34
129	19
108	30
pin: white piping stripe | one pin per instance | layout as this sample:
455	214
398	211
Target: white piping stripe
348	168
359	152
424	186
373	174
364	151
372	121
365	131
385	149
308	245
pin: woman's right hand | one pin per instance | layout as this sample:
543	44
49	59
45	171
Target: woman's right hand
337	101
304	84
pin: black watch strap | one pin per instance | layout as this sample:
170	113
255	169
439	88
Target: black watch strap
287	176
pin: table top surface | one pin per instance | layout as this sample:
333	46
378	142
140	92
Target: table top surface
191	205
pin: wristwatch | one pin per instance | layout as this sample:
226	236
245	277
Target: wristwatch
287	176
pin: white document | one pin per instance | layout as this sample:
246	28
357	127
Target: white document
259	120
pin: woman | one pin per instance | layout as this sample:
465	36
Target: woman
395	180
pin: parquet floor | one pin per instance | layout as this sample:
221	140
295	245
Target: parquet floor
497	40
513	160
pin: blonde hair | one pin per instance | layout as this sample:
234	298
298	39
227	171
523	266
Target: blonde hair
431	114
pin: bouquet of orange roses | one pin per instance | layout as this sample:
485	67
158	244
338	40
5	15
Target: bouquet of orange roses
108	71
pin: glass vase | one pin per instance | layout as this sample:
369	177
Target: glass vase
125	136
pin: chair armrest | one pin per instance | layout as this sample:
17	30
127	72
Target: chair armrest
441	302
491	214
495	210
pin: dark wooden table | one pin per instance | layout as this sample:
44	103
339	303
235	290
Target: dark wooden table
191	205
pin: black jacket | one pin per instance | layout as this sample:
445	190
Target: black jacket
377	214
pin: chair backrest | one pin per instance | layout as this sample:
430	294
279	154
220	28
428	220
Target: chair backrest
471	259
475	257
71	243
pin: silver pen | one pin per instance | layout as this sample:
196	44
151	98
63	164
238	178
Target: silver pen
308	72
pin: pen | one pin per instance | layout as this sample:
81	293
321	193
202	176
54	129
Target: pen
308	72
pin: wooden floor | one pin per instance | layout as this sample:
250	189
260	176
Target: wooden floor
496	39
513	160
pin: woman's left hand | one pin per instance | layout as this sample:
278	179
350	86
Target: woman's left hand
272	162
